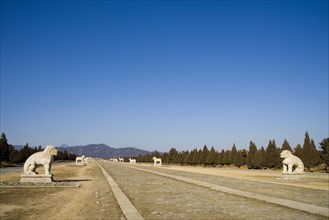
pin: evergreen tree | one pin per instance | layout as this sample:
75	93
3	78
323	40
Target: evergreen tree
310	155
172	155
286	146
186	157
204	155
4	148
261	157
233	154
298	151
26	152
15	157
324	145
227	156
251	156
191	156
271	156
197	157
238	160
211	156
220	157
244	154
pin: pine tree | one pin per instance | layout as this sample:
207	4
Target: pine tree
310	155
172	155
196	157
211	156
227	156
204	155
25	152
191	156
286	146
186	157
251	160
324	145
220	157
298	151
261	157
271	156
233	154
244	154
4	149
238	160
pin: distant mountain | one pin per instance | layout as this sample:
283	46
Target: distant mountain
103	151
18	147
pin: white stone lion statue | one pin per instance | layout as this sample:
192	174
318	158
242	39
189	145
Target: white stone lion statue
157	161
80	159
44	158
290	162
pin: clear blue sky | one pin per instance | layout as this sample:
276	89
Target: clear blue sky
156	75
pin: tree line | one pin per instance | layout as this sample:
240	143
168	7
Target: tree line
10	155
254	158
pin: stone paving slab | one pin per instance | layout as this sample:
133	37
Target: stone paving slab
126	206
282	202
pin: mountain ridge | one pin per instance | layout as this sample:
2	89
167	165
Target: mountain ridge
102	150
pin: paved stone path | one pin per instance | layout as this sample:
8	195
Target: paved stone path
127	208
159	195
283	202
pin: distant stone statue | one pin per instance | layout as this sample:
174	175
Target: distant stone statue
43	158
80	160
157	161
291	164
121	159
132	160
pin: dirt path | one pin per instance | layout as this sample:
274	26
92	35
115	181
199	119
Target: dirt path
272	184
92	200
308	180
158	197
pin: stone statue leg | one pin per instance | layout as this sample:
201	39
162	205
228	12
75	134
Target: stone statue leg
284	168
47	169
32	169
50	169
299	168
290	168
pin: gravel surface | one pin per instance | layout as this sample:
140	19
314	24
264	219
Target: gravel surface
305	195
158	197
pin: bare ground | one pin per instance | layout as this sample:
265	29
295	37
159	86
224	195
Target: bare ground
157	197
93	199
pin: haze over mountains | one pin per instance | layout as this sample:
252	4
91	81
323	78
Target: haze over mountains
102	151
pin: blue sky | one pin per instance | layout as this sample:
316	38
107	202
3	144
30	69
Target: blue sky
162	74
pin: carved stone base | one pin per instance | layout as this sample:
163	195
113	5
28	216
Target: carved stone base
293	173
79	164
36	178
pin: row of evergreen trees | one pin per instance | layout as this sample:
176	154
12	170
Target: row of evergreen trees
254	158
10	155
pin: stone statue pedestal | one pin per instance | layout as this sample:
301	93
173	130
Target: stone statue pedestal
40	178
80	164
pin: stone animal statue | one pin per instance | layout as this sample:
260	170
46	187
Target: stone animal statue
290	161
157	161
42	158
80	159
132	160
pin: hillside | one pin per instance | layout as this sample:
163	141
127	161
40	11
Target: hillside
103	151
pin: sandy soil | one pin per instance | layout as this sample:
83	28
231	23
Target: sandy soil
93	199
157	197
308	180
